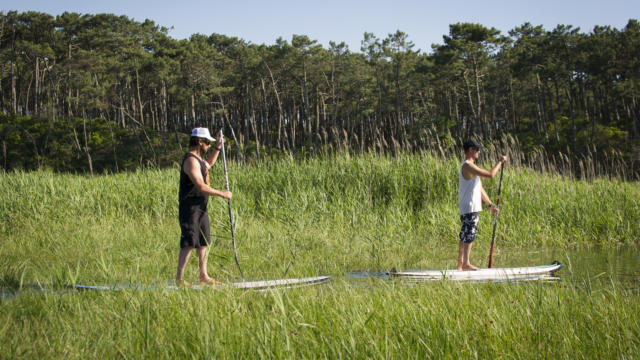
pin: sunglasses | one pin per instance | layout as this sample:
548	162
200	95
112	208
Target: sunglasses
206	142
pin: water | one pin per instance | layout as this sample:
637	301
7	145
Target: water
601	266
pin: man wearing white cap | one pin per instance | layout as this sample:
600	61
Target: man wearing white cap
193	195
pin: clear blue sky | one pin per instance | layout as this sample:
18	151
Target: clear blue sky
262	22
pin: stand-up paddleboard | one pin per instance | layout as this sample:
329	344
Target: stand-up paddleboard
267	284
480	275
246	285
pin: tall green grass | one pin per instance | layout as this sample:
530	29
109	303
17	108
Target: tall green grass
375	319
304	218
300	217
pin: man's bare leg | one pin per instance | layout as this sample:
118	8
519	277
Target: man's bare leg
183	258
203	252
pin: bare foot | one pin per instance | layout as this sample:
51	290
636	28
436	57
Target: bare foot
469	268
210	281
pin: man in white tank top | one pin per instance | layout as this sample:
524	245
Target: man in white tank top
470	198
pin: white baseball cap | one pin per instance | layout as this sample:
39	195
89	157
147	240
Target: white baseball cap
202	133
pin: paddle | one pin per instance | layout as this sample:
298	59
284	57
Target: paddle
226	184
495	219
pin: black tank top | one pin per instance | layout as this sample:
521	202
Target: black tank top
188	188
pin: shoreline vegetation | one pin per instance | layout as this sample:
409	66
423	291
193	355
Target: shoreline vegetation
108	149
319	216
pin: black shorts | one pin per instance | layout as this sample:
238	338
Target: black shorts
194	226
469	227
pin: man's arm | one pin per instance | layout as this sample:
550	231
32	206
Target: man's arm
471	170
487	201
213	155
485	198
192	169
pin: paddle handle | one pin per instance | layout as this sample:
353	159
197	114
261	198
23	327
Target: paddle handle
226	185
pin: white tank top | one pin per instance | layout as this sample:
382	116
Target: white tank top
469	194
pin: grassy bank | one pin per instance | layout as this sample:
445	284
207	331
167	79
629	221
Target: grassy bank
316	217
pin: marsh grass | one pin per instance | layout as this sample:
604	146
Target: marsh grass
380	320
305	218
319	216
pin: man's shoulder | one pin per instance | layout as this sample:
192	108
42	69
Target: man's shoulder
190	160
465	166
467	170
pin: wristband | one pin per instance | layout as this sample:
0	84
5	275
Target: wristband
218	148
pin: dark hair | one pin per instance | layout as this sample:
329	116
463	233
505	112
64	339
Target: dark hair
193	141
472	143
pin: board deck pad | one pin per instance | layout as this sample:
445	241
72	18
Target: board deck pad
521	273
246	285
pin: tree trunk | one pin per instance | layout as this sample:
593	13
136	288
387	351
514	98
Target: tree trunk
456	112
165	115
307	112
573	119
36	89
247	111
479	104
252	120
69	111
265	115
26	98
193	108
140	106
471	106
541	110
233	133
14	98
280	114
553	114
512	102
86	147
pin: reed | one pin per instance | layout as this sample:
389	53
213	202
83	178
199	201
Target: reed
588	164
321	215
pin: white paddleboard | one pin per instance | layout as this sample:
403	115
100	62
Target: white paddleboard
254	285
266	284
479	275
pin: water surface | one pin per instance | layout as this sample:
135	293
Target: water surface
598	265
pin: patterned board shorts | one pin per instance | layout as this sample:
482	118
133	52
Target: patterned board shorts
469	227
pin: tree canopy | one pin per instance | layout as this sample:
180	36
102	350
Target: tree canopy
562	88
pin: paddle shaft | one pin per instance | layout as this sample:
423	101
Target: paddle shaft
495	219
226	184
